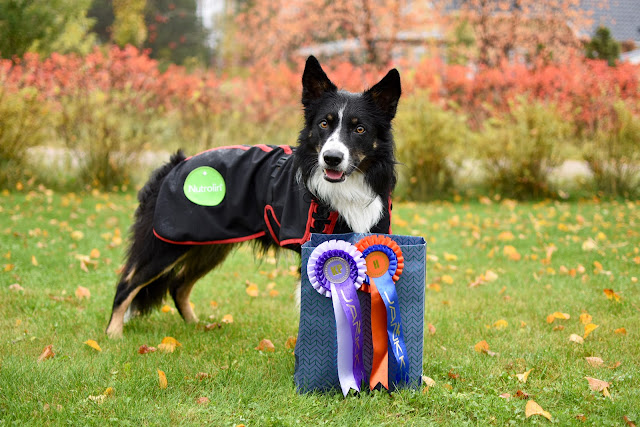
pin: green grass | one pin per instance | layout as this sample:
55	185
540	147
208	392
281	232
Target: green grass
255	388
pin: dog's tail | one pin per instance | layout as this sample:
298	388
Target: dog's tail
146	249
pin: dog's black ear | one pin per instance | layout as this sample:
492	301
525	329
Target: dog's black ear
314	81
386	93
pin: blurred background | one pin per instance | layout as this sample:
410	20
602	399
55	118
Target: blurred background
518	98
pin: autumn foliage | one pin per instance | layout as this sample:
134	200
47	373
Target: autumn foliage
120	101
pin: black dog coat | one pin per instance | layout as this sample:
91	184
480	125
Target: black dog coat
237	193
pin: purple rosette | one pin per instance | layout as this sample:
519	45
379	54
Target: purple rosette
336	269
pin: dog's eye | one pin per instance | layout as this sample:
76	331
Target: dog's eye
360	129
324	124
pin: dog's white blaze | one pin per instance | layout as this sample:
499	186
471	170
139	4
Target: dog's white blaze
353	199
334	143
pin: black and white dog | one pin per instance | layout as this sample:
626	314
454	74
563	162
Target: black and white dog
194	210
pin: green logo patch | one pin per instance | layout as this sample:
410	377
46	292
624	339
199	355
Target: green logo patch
205	186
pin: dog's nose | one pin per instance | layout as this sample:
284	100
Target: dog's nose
333	157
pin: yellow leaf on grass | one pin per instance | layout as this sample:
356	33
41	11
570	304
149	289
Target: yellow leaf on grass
506	236
291	343
162	379
266	345
108	391
523	377
597	385
447	279
34	261
576	338
511	252
594	361
490	276
93	344
169	344
533	408
82	292
585	318
450	257
227	318
482	346
8	267
559	315
434	287
429	382
166	309
252	289
620	331
47	353
500	324
588	329
611	294
95	253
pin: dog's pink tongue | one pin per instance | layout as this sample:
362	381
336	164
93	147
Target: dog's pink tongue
333	174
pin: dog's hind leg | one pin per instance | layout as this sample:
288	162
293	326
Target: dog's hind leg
198	262
143	286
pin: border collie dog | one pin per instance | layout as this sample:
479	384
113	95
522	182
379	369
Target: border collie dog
194	210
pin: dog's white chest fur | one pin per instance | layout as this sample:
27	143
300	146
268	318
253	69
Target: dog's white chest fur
353	199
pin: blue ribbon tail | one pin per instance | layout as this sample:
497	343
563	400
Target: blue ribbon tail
387	289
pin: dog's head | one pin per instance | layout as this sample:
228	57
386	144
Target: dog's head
348	133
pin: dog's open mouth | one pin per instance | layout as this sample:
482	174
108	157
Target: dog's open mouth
334	175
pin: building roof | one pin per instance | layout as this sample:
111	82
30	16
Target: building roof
622	17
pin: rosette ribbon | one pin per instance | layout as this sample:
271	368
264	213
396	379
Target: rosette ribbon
336	269
385	262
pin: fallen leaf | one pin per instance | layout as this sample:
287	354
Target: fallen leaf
450	257
500	324
82	292
523	377
108	391
162	379
588	329
252	289
266	345
597	385
628	421
93	344
522	395
589	245
505	396
227	318
8	267
612	295
581	417
429	382
594	361
202	400
97	399
506	236
490	276
482	346
585	318
620	331
47	353
212	326
432	329
16	288
434	287
447	279
144	349
95	253
291	343
576	338
34	261
169	344
202	376
533	408
77	235
615	365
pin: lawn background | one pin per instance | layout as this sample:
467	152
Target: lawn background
44	236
